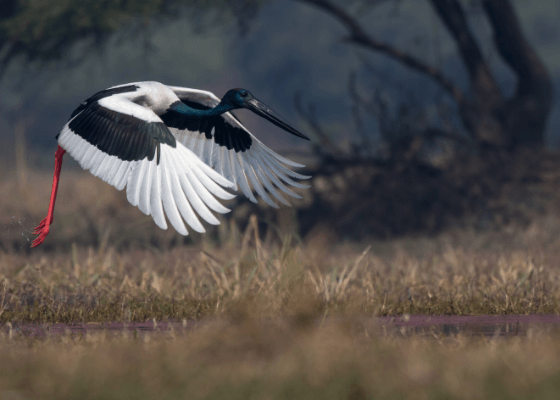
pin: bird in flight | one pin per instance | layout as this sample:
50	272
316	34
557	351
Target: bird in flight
174	149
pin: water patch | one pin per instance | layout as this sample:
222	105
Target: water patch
470	325
403	326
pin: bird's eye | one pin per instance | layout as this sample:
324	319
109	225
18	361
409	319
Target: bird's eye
243	94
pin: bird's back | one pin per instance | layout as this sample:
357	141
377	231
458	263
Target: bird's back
153	95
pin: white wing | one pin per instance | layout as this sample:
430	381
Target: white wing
225	144
175	180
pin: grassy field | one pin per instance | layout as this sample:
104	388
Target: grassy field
102	262
242	275
105	261
251	360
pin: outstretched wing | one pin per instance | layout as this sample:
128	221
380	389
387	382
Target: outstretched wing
126	144
225	144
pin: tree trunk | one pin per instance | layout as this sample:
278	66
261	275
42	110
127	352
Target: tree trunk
524	116
491	119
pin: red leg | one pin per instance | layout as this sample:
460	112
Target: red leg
43	229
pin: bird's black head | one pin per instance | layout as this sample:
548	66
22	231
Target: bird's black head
237	97
242	98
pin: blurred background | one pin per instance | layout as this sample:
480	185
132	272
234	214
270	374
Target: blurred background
425	115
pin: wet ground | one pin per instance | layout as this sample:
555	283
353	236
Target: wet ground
479	325
404	325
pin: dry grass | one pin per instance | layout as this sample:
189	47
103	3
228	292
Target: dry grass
251	360
103	265
242	276
228	272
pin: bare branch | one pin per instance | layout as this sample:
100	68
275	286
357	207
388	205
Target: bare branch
515	50
365	145
433	133
309	117
378	108
360	37
453	17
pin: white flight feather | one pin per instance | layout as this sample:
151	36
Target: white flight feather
145	189
194	199
168	199
182	203
258	165
134	183
257	169
156	208
242	179
176	187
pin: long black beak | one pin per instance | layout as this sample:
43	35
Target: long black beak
262	110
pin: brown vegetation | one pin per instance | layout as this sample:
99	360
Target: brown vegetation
233	273
105	261
408	195
249	360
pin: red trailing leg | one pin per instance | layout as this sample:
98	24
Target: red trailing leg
43	229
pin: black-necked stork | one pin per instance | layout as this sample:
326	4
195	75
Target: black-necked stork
172	148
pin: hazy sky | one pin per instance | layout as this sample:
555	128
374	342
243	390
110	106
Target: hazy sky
290	47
